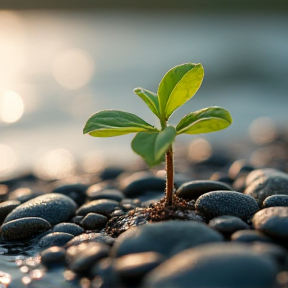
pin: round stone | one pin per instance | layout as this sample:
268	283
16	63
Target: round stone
112	194
70	228
54	208
55	239
227	224
276	200
6	207
194	189
23	228
272	221
91	237
53	256
94	221
219	203
249	236
178	235
104	207
214	265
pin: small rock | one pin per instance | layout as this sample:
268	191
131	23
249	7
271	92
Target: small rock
82	257
53	257
218	203
54	208
6	207
104	207
94	221
228	224
91	237
68	228
77	219
272	221
112	194
178	235
276	200
214	265
110	173
194	189
134	266
249	236
55	239
23	228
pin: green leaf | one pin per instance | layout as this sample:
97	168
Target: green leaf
204	121
179	85
152	146
109	123
149	98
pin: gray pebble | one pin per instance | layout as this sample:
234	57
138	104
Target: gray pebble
54	208
104	207
93	221
177	236
112	194
82	257
214	265
6	207
249	236
218	203
55	239
276	200
272	221
194	189
23	228
70	228
91	237
53	257
77	219
227	224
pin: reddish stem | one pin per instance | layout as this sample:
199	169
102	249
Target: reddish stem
169	176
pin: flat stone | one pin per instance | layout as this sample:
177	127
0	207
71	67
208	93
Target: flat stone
194	189
82	257
219	203
53	257
222	265
70	228
112	194
104	207
55	239
276	200
91	237
23	228
249	236
272	221
6	207
227	224
52	207
94	221
178	235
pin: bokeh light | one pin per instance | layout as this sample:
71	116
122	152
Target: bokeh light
73	68
199	150
11	107
8	160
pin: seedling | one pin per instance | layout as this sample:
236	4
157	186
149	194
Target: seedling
178	85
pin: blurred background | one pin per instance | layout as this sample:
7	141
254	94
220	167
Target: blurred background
61	61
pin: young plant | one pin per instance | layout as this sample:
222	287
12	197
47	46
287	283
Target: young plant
178	85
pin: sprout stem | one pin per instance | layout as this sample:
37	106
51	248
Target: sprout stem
169	176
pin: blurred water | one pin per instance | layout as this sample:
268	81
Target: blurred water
66	65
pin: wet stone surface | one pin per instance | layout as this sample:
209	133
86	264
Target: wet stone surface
55	239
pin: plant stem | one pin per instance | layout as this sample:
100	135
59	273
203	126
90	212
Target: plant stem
169	176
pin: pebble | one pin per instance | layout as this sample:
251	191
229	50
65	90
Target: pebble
112	194
266	184
53	257
141	182
93	221
77	219
104	207
23	228
272	221
75	191
55	239
134	266
91	237
6	207
82	257
194	189
110	173
178	235
222	265
276	200
70	228
54	208
249	236
218	203
227	224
